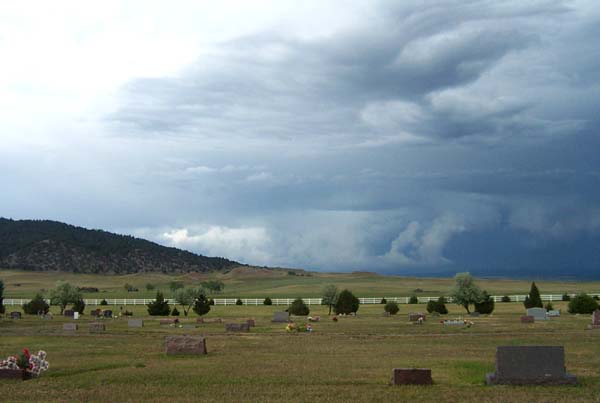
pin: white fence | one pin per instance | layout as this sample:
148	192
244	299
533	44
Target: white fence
288	301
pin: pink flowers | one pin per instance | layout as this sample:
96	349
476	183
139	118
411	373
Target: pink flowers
27	362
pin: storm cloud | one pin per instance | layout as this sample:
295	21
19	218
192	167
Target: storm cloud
410	137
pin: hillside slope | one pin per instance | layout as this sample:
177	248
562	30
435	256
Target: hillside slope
50	246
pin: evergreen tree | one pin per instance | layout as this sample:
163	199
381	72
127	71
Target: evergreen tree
2	309
346	303
533	300
159	307
298	308
201	305
36	305
487	304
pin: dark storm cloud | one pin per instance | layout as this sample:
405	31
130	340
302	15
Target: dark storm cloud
394	144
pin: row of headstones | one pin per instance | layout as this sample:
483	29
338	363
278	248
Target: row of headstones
515	365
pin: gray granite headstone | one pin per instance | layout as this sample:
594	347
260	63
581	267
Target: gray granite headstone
15	315
281	317
69	313
135	323
537	313
70	327
596	318
107	313
530	365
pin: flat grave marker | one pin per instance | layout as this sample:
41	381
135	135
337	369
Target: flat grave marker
411	376
237	327
414	317
96	327
70	327
15	315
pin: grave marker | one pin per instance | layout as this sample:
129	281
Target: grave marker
237	327
281	317
96	327
554	313
411	376
135	323
537	313
414	317
68	313
70	327
15	315
530	365
193	345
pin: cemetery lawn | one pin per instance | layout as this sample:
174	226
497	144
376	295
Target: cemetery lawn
350	360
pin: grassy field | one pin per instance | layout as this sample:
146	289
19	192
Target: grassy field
350	360
260	283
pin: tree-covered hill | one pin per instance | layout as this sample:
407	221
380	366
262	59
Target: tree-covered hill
42	245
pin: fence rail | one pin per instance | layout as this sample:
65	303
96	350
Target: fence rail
287	301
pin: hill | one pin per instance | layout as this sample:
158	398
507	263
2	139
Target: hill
41	245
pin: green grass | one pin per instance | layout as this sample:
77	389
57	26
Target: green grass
350	360
260	283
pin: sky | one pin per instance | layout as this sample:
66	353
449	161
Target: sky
397	137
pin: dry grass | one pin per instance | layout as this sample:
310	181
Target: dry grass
260	283
350	360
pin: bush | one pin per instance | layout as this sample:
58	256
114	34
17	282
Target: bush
298	308
413	300
566	297
486	306
597	298
505	298
239	302
211	302
438	306
391	307
174	312
582	303
383	301
103	302
549	306
159	307
36	305
267	301
346	303
79	306
202	305
533	300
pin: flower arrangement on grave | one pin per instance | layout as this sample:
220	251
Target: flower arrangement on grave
24	361
292	327
335	319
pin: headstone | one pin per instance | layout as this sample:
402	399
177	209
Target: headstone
527	319
251	322
96	327
167	321
411	376
454	322
194	345
475	314
314	318
68	313
199	320
48	316
386	314
414	317
70	327
95	312
15	315
107	313
537	313
554	313
595	320
135	323
237	327
75	315
15	374
281	317
530	365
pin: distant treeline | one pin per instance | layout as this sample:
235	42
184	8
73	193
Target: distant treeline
43	245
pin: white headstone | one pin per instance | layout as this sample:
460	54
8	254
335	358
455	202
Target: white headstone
75	315
538	313
554	313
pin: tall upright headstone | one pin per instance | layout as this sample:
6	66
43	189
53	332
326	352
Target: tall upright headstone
530	365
